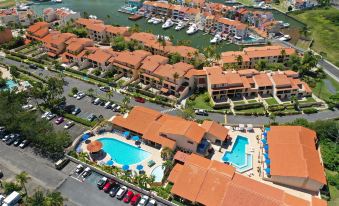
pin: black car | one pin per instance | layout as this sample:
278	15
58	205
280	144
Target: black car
91	117
105	89
114	190
24	144
33	66
12	139
18	142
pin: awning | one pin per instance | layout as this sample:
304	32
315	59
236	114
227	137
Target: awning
265	134
264	141
85	136
126	133
268	170
241	126
109	162
266	155
136	138
266	147
268	161
94	146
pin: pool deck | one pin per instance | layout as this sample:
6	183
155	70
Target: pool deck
5	73
155	153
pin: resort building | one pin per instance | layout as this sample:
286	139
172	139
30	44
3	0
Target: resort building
301	167
13	16
162	130
55	42
222	85
212	183
60	16
82	22
251	55
232	27
37	31
75	51
100	58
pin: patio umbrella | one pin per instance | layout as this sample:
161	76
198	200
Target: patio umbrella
126	133
125	167
140	167
266	147
94	146
241	126
265	134
266	155
264	141
136	138
268	170
79	149
85	136
268	161
110	163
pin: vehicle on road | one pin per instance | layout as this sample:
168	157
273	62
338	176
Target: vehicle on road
114	190
152	202
12	199
24	144
121	192
61	163
135	199
6	137
69	124
129	195
97	101
108	186
87	172
50	116
59	120
44	115
91	117
105	89
139	99
143	201
79	169
101	183
201	112
80	95
76	111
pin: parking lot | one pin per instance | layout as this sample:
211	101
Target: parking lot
84	191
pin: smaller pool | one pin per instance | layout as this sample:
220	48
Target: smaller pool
10	84
158	173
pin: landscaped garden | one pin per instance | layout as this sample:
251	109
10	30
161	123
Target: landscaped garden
271	101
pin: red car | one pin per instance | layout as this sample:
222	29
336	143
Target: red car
140	99
59	120
108	186
128	196
135	199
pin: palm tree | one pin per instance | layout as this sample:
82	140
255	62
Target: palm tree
282	54
175	76
109	94
22	179
54	199
261	65
126	101
37	199
272	118
239	61
167	165
90	92
166	153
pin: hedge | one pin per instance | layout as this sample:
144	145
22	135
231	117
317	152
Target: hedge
103	80
273	108
31	74
250	113
310	110
282	113
248	106
80	120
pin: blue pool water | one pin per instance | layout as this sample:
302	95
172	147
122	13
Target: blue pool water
122	153
238	157
158	173
10	84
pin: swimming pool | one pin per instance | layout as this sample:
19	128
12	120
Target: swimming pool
158	173
10	84
238	156
122	153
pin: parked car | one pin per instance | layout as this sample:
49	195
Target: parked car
79	169
87	172
27	107
113	106
2	132
6	137
128	196
201	112
76	95
44	115
33	66
24	144
69	124
108	186
61	163
80	95
117	109
105	89
91	117
114	190
1	174
59	120
97	101
18	142
143	201
76	111
101	183
108	105
12	139
50	116
152	202
139	99
135	199
121	192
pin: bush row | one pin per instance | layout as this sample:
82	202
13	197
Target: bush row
251	113
103	80
284	113
31	74
248	106
276	107
80	120
310	110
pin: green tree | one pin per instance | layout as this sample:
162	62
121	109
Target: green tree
54	199
119	43
37	199
239	61
176	76
14	71
174	58
90	92
261	65
109	94
188	113
22	179
134	29
166	153
2	82
126	101
75	90
10	187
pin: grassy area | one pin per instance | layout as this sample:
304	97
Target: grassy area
321	90
333	190
6	3
324	27
303	44
239	102
252	101
282	6
308	100
253	110
199	102
271	101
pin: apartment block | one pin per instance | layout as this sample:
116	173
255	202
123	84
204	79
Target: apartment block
60	16
13	16
55	42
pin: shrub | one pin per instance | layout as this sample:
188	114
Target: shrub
248	106
80	120
273	108
310	110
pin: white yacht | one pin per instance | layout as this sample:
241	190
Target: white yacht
168	24
157	21
216	39
22	7
180	26
192	29
92	17
151	20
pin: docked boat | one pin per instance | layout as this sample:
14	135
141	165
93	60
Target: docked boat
157	21
216	39
56	1
192	29
92	17
180	26
22	7
167	24
151	20
286	25
135	17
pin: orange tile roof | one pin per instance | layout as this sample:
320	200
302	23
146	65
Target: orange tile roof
184	51
246	72
281	80
216	75
168	70
290	73
262	80
151	63
132	58
152	133
215	129
38	25
302	159
267	51
195	72
86	22
96	27
76	44
306	87
213	183
102	56
180	156
318	202
116	30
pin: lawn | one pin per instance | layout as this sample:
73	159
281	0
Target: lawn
253	110
308	100
6	3
333	191
271	101
239	102
282	6
252	101
324	27
321	90
199	102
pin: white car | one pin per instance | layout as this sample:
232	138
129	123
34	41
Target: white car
143	201
27	106
80	95
69	125
121	193
50	116
79	169
86	172
152	202
201	112
45	115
